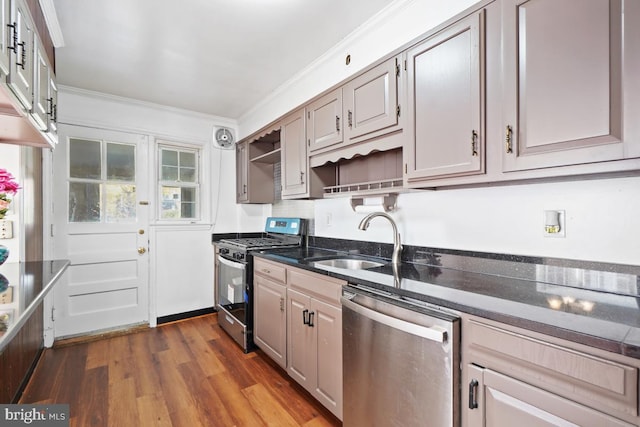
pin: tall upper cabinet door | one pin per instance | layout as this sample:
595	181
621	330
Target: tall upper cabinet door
20	77
242	172
324	121
446	93
41	103
371	99
294	156
563	81
5	41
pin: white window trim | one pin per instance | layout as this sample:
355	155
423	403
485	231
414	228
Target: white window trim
199	184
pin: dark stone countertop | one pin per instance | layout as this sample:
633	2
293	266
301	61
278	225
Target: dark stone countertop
23	286
596	304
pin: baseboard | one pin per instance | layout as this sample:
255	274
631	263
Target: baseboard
185	315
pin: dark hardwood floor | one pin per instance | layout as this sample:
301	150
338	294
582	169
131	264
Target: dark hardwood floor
188	373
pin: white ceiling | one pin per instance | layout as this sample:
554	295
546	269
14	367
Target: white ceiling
217	57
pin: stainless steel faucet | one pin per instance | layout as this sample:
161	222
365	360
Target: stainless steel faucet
397	246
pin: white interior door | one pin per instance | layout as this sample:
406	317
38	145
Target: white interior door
101	225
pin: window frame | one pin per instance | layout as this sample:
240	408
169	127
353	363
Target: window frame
102	182
196	185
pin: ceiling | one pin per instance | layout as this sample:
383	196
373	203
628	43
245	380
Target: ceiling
218	57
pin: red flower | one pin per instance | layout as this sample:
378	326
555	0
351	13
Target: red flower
8	183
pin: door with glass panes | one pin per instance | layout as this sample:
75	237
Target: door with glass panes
101	225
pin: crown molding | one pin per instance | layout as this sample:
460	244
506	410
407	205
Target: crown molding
51	18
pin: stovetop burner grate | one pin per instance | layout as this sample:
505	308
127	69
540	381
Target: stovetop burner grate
257	242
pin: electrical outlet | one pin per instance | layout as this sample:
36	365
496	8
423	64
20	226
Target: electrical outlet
554	223
6	229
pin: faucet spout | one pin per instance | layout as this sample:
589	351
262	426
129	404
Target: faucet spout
397	245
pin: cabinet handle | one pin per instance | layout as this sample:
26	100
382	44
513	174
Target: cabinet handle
305	317
311	318
474	143
301	177
244	189
23	55
14	27
350	118
266	270
509	139
50	109
337	123
281	304
473	388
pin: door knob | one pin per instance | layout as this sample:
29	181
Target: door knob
141	250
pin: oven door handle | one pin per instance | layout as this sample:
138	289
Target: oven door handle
230	263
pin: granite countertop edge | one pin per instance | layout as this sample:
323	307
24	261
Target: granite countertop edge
58	267
610	336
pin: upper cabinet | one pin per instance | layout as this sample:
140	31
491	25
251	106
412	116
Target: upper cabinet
28	93
359	117
371	101
324	121
255	160
446	102
510	90
294	166
5	42
20	78
565	84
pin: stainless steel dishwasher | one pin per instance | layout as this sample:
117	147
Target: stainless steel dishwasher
401	361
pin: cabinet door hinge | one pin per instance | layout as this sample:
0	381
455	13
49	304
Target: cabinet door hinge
309	115
405	65
53	317
398	111
397	69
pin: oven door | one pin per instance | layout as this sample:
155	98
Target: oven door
232	277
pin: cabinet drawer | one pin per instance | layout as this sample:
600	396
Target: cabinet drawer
317	285
269	269
597	382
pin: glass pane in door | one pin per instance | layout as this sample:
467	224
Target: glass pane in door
84	202
85	159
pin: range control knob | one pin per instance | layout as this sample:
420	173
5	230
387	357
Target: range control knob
224	250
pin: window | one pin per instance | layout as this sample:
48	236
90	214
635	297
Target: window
102	181
179	183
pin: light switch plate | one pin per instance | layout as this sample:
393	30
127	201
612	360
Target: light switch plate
6	296
6	229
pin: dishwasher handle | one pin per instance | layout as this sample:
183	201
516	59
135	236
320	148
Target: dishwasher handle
433	333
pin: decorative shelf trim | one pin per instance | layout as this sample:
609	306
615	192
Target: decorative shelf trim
364	188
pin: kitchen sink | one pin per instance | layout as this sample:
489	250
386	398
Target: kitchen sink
347	263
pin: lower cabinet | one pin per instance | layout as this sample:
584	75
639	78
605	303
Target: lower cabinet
505	402
270	324
517	377
298	323
314	348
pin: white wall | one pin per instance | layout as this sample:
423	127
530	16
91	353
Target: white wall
93	109
400	23
602	219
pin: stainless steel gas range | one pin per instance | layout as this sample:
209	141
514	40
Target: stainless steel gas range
235	274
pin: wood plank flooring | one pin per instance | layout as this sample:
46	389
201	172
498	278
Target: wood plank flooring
187	373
